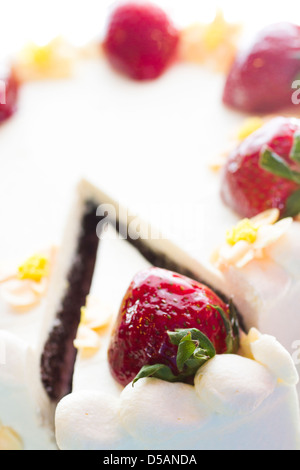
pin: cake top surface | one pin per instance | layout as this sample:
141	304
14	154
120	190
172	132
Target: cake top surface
155	147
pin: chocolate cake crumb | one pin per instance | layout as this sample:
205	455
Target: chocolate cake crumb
59	354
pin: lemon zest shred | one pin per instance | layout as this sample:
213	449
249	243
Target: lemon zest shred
244	230
34	268
249	126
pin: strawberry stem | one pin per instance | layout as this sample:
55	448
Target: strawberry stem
292	206
295	153
276	165
194	349
232	328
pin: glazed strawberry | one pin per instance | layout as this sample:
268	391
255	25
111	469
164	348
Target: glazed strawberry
263	171
262	75
160	311
9	88
140	42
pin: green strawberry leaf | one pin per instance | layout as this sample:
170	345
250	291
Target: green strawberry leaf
186	349
160	371
235	326
295	153
232	328
276	165
196	335
292	206
194	349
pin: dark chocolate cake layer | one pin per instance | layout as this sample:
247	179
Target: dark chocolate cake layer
58	358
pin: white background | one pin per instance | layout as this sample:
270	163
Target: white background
80	20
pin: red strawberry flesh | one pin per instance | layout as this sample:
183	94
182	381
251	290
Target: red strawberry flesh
156	302
261	77
9	91
248	188
140	42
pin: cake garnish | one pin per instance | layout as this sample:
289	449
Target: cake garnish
249	239
10	439
211	44
266	350
141	41
24	287
53	60
244	230
263	171
95	318
249	126
9	93
34	268
168	326
261	77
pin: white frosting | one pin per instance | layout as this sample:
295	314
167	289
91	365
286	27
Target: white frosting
94	417
24	404
236	402
160	414
242	392
267	291
22	398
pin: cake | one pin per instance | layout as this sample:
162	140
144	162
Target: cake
102	409
168	176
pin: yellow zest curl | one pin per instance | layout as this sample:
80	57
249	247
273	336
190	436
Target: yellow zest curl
244	230
34	268
249	126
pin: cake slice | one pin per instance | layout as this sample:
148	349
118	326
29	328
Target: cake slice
97	412
90	215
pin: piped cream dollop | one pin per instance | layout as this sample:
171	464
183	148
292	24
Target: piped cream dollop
266	350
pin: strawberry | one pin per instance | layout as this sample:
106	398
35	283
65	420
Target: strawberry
9	88
140	41
168	326
263	171
262	75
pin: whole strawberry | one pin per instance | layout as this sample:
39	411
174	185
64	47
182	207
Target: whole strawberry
263	172
168	326
262	75
9	90
140	42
